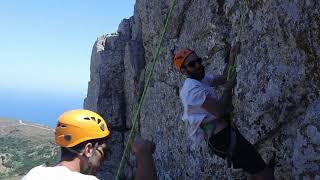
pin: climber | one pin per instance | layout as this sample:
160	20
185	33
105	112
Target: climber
206	114
82	136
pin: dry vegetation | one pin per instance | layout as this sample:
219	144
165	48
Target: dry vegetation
23	146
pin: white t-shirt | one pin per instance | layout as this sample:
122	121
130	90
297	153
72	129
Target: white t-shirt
55	173
193	94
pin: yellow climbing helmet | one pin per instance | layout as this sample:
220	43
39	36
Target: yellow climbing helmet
77	126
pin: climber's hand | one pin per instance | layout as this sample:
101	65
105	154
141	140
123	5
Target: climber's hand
142	146
229	85
235	48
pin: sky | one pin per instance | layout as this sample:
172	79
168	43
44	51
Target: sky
45	49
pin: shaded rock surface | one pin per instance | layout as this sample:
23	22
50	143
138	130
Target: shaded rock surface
277	96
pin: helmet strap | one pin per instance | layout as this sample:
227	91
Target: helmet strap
90	168
80	153
73	151
95	149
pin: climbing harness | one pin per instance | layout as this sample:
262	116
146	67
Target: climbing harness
135	121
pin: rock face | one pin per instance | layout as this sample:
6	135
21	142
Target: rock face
277	96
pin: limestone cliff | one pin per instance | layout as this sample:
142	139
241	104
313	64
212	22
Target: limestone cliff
277	96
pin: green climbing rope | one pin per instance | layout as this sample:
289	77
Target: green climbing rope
135	121
231	71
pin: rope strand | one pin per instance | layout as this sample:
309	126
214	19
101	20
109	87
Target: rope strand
135	121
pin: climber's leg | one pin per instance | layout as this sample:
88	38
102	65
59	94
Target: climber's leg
267	173
245	156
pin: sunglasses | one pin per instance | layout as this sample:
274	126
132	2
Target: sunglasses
193	62
105	153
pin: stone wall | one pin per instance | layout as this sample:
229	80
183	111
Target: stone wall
277	96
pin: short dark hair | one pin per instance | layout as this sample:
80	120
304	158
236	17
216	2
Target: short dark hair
69	154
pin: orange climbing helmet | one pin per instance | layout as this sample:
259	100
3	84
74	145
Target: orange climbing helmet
180	57
77	126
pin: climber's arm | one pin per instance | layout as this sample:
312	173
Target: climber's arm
235	50
143	150
220	107
218	80
222	79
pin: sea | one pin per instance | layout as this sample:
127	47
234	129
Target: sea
38	108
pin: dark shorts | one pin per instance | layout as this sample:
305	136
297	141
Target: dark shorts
245	155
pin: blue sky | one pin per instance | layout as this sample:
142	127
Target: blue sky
46	46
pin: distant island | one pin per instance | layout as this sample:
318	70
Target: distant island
24	145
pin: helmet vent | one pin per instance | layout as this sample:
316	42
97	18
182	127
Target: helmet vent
61	125
102	127
86	118
67	137
93	118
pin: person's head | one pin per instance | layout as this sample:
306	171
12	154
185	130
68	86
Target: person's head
189	64
82	134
